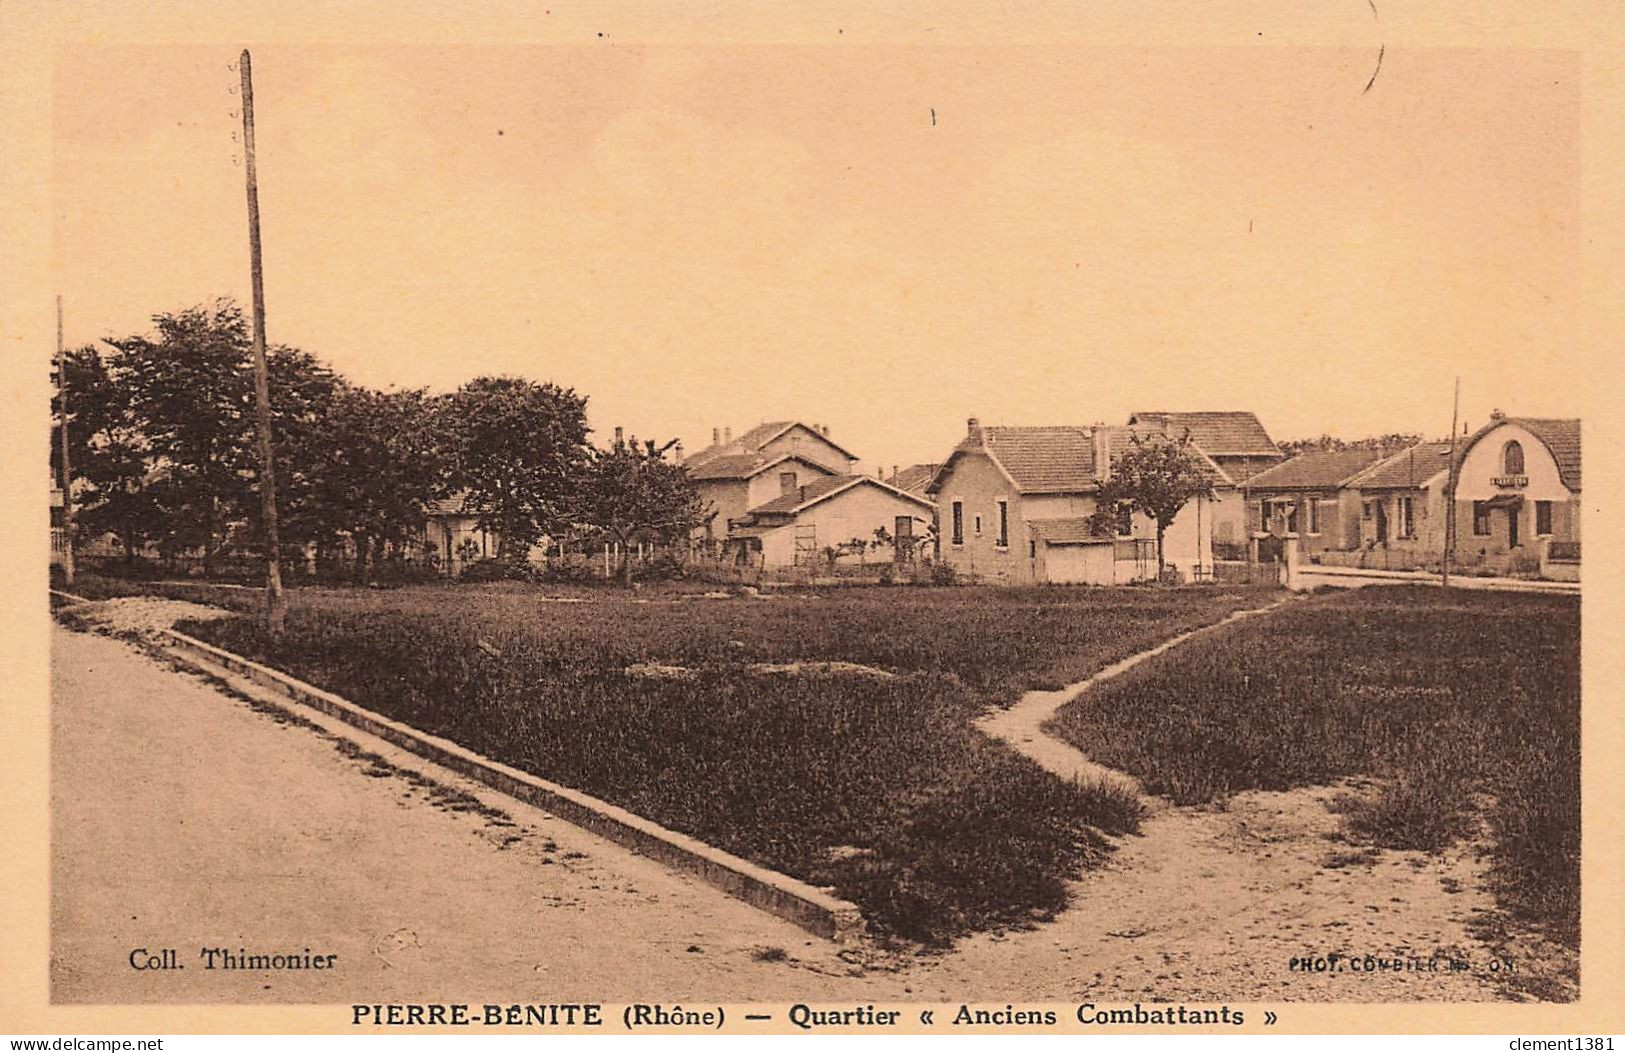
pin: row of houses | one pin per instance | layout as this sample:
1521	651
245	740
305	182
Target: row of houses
1017	505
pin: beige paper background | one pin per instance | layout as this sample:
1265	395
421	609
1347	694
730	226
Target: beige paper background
1570	371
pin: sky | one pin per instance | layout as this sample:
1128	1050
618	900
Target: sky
886	239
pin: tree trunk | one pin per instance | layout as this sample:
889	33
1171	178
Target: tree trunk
360	571
1160	562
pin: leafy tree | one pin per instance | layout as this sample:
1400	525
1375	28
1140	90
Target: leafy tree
1390	443
374	471
631	492
189	389
190	394
107	452
518	450
1157	476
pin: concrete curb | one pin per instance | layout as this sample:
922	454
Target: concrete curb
796	901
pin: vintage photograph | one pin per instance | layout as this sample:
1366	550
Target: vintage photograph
815	525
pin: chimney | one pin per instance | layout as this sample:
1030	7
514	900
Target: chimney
973	428
677	451
894	472
618	441
1103	452
716	436
727	435
1498	414
824	430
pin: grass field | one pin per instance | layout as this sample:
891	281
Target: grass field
879	787
1467	705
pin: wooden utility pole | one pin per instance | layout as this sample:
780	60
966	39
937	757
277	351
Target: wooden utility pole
1450	492
67	472
275	604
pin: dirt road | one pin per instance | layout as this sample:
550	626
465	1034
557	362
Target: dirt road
184	819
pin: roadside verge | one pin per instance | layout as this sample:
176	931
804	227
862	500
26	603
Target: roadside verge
812	908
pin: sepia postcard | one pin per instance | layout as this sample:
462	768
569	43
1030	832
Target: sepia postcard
822	521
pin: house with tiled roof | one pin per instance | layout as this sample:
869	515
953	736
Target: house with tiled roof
832	513
1236	441
1017	505
1517	495
1401	504
785	492
734	476
914	478
1307	497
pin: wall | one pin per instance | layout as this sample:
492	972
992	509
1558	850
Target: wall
1480	467
1182	545
1338	526
854	513
1240	468
730	499
762	488
801	441
979	483
1076	564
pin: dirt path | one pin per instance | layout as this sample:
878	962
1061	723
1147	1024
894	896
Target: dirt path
1216	903
1022	725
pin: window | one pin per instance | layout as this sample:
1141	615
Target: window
1125	521
1512	458
1291	510
787	482
978	526
1543	518
1407	517
1314	515
1481	519
959	522
1004	524
1032	549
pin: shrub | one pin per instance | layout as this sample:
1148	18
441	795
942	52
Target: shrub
493	569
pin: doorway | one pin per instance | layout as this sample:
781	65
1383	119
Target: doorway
1512	526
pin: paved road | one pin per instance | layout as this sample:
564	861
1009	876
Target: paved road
184	819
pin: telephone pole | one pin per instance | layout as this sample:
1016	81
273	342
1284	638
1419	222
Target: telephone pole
275	604
1450	492
67	472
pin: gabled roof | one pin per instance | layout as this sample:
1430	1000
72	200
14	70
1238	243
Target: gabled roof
1315	470
1405	470
1220	433
1038	460
1074	530
743	466
1056	459
753	440
803	497
1562	436
914	478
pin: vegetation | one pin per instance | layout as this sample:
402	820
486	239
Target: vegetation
1467	705
630	492
1393	442
1155	476
875	784
162	442
516	449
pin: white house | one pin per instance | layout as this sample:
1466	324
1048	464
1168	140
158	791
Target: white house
1015	506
